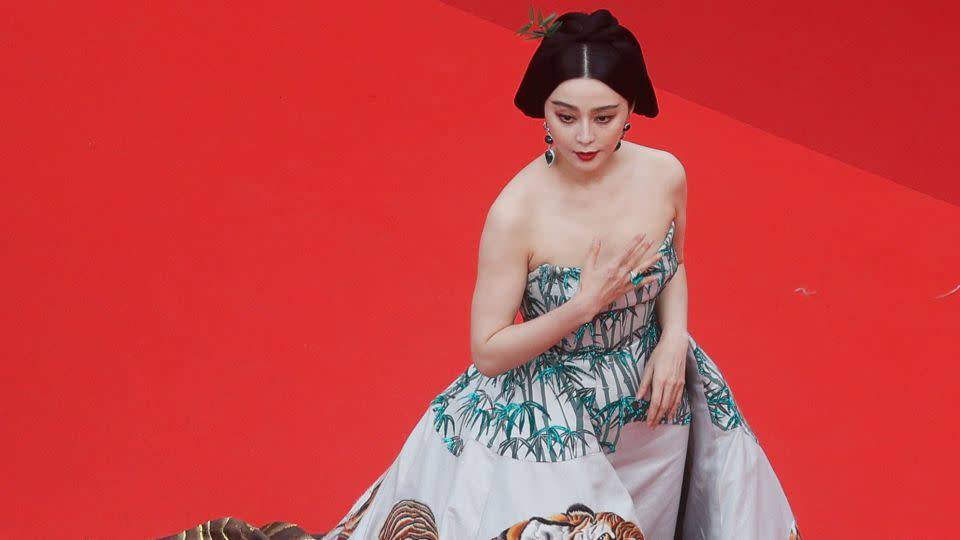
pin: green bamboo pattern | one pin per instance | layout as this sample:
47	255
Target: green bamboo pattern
724	411
574	398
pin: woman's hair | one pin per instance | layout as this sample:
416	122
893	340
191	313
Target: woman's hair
593	46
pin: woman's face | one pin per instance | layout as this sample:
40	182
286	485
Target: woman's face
585	116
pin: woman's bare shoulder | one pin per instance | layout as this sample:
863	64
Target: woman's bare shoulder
673	173
662	160
504	241
513	203
658	165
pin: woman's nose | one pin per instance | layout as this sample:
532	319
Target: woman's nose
584	134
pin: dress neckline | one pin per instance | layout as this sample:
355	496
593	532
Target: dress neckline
666	239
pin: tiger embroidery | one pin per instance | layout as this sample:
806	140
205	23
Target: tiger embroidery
349	524
794	531
230	528
579	522
409	520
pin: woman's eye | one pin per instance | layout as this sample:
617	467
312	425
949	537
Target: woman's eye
566	118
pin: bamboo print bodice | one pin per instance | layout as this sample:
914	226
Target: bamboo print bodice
573	398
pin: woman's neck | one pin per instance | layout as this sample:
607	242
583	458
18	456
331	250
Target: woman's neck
576	176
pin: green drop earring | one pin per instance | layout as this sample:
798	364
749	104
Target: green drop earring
626	128
549	155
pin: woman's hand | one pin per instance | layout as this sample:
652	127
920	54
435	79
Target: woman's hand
663	376
602	284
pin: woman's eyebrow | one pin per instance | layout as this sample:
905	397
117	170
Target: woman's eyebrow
562	104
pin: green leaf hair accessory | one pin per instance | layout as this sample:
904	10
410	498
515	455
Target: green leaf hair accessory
543	26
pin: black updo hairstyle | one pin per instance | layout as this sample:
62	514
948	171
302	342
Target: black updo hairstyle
593	46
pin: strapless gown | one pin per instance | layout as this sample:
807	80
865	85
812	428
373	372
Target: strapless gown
557	448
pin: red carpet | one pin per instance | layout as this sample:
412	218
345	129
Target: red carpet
240	246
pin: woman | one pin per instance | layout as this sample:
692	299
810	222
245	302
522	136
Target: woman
599	416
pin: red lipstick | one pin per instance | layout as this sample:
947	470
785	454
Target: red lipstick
586	156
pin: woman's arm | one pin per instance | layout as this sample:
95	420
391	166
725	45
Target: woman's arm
663	375
515	344
671	305
498	343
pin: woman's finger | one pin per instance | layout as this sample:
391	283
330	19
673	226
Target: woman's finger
634	258
643	266
648	280
635	243
675	399
639	240
669	391
630	287
655	403
642	248
676	406
644	382
628	256
650	261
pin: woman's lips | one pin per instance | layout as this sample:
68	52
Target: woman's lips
585	156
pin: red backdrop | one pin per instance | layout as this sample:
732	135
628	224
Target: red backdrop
239	245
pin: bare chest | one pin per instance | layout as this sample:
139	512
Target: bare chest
561	229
